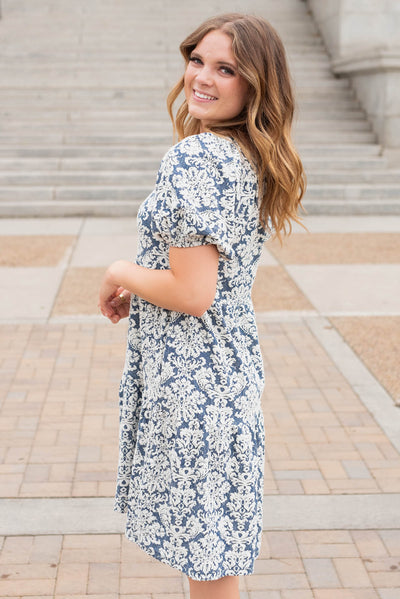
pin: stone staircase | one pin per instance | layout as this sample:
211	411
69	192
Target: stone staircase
83	118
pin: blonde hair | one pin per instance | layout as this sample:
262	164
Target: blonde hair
263	127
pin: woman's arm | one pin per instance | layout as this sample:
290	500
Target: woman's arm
188	286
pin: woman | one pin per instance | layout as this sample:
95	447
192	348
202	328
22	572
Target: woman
192	435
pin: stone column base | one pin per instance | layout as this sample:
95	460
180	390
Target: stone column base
375	75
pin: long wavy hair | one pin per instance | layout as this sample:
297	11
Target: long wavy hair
263	127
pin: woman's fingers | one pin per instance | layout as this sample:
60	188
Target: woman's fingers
121	298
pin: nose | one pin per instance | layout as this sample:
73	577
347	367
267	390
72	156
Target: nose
204	76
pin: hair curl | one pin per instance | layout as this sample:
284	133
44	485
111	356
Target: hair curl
263	127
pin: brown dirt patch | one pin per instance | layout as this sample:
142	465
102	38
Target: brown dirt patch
33	250
79	292
338	248
274	290
376	339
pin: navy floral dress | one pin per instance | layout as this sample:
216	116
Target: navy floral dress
190	474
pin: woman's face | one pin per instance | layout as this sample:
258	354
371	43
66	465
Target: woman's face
214	90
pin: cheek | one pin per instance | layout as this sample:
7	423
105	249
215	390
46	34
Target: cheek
238	97
188	80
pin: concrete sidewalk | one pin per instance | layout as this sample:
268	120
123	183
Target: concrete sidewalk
329	322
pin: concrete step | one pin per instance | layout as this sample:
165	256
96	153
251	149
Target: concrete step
41	131
355	207
99	192
319	165
137	126
89	151
28	171
325	83
110	127
41	207
34	77
59	138
142	90
120	121
39	84
145	98
85	126
325	93
156	151
160	138
325	104
79	164
60	116
339	150
316	136
77	178
356	177
344	108
354	191
305	126
74	193
136	121
309	116
141	63
316	166
307	100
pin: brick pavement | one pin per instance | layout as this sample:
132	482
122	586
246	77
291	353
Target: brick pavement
302	564
59	417
60	372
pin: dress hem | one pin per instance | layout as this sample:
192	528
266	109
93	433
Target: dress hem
156	556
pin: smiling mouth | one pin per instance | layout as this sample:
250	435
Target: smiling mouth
201	96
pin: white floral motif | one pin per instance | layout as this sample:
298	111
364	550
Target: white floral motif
190	472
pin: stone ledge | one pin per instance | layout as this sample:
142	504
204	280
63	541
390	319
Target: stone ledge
376	60
375	77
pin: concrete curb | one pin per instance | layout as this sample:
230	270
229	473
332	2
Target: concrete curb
371	393
285	512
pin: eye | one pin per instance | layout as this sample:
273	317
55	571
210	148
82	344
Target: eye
227	71
195	60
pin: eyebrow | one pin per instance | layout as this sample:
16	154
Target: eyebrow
221	62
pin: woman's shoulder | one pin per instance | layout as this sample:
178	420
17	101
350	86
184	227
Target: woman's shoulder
203	146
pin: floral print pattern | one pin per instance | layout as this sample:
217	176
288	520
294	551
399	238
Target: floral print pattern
190	475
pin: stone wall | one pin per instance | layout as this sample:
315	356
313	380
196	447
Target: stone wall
363	39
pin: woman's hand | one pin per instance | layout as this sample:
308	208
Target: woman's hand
121	304
114	301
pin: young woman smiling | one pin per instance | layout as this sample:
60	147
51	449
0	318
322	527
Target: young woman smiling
214	89
190	475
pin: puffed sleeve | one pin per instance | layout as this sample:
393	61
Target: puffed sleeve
192	198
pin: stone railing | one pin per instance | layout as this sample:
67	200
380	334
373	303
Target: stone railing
362	37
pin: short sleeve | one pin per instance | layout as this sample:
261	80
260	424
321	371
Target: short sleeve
191	200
